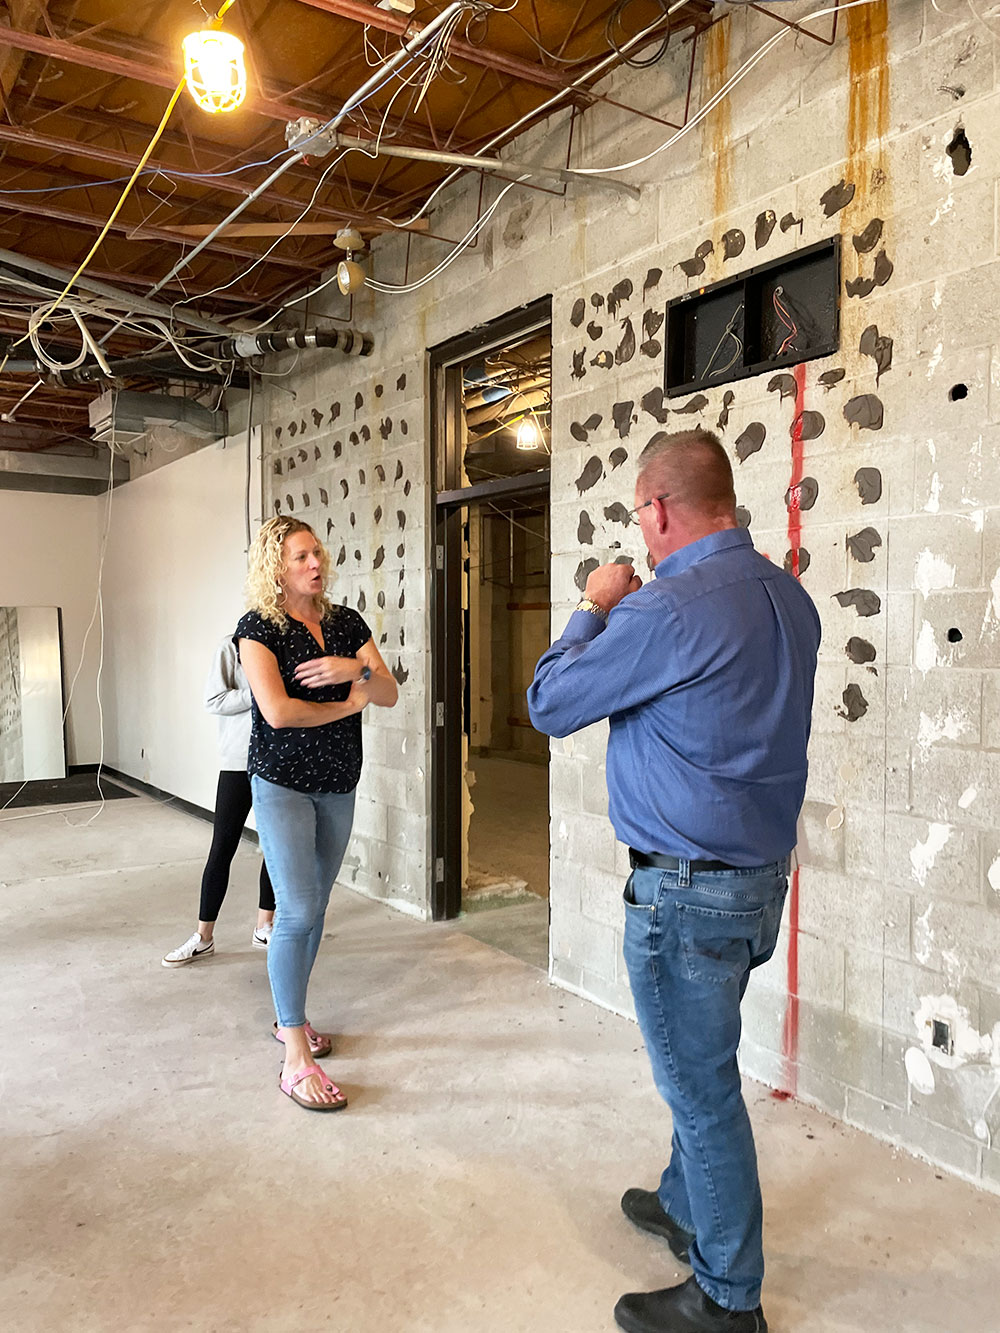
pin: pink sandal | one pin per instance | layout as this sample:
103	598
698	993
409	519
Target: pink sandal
319	1045
288	1086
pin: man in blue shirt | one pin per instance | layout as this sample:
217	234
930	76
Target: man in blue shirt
706	675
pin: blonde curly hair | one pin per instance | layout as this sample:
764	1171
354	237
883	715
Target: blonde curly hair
266	564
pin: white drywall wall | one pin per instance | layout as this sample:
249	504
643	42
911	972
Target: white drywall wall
173	587
48	557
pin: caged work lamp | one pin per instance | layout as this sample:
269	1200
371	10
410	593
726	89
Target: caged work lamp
215	70
528	435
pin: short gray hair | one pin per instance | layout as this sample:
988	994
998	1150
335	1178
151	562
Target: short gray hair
693	466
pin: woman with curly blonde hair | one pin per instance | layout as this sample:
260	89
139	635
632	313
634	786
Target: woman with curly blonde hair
313	668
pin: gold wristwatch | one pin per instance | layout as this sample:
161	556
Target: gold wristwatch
593	608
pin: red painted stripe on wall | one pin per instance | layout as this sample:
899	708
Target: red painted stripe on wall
790	1030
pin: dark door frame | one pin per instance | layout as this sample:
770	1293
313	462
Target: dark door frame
450	497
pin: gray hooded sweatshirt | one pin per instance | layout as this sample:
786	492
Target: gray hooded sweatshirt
227	694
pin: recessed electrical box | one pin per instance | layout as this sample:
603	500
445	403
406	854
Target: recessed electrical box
941	1037
774	315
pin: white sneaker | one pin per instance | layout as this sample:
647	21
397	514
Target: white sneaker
189	952
262	936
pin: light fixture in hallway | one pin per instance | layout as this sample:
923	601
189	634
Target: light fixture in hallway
527	434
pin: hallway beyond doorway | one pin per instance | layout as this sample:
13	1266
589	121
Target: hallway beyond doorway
508	842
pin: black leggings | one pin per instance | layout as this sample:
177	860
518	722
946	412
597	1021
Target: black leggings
232	805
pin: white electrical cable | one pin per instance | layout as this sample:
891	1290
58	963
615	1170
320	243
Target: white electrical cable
34	322
99	613
637	42
223	287
992	31
87	344
437	54
452	255
726	88
94	307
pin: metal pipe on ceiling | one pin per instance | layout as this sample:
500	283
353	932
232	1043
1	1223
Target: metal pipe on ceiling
506	134
369	86
114	157
155	366
486	163
242	347
25	265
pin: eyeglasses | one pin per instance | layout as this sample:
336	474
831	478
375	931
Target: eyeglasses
633	514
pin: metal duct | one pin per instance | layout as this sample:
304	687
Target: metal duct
127	300
350	341
151	367
123	416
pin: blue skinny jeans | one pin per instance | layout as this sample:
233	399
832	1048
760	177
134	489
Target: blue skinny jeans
304	836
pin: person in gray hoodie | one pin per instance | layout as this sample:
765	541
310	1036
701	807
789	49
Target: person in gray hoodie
227	694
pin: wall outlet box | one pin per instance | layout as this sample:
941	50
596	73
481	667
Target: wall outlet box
941	1037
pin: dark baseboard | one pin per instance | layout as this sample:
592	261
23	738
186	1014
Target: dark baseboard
167	798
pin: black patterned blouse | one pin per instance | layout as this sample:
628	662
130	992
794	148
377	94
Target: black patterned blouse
307	759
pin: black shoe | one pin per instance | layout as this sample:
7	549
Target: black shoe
685	1309
643	1208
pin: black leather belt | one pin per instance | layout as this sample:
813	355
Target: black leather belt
657	861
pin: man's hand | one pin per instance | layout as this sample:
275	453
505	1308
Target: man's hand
609	584
319	671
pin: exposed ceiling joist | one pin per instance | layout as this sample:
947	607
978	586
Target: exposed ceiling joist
373	17
272	229
162	76
83	87
143	231
163	71
34	139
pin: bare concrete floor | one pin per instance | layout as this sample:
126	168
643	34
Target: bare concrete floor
510	794
155	1179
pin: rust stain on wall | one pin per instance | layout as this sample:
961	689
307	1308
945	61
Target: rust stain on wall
868	110
718	122
867	165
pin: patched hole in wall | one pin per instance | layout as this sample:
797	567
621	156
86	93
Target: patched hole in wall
960	152
957	392
955	636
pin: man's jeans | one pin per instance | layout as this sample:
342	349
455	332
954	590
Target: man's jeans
303	836
691	941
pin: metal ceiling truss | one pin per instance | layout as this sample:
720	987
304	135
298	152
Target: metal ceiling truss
106	72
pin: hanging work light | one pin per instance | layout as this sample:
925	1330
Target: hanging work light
215	70
527	434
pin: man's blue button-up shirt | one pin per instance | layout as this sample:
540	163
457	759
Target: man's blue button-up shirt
706	674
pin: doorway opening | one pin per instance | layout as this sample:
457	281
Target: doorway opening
492	411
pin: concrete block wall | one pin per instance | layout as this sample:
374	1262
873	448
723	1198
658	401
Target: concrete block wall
894	918
346	454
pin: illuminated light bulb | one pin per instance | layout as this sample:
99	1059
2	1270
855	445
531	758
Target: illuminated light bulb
215	70
527	434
